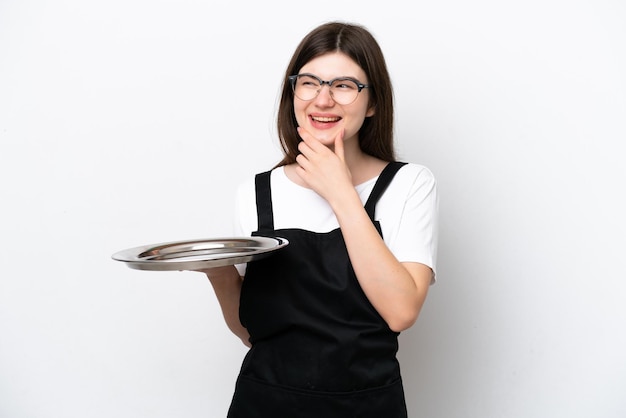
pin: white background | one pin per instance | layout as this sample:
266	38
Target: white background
130	122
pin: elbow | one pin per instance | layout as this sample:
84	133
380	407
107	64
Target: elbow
403	322
403	318
403	315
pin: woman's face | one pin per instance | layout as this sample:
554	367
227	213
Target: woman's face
322	116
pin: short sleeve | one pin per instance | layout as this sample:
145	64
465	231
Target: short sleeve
408	213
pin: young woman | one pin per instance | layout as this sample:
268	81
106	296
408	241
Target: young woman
322	315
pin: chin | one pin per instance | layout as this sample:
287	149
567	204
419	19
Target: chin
325	136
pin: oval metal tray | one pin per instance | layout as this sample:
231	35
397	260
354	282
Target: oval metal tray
200	253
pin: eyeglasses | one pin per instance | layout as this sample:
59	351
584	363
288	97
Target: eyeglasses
343	90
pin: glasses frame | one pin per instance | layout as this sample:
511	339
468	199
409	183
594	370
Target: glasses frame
294	78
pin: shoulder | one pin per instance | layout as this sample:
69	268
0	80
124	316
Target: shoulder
246	189
416	170
415	176
413	185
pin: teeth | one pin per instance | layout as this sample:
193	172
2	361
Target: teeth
324	119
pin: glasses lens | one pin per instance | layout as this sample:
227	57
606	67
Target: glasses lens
344	91
306	87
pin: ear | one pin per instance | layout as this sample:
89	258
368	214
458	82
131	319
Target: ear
370	111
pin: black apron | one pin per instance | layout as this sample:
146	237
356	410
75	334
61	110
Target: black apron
319	348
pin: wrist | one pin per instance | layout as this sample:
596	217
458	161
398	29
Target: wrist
345	202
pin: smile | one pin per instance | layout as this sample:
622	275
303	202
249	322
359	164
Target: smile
325	119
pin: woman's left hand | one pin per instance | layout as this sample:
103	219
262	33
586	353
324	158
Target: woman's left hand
323	169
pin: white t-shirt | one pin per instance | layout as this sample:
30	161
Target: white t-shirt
407	211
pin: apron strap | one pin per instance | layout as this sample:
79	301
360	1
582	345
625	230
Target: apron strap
383	181
264	210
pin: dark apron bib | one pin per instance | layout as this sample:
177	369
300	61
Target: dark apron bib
319	348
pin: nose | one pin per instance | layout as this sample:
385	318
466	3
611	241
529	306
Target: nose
325	97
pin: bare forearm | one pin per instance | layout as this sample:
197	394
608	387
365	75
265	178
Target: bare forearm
395	289
226	283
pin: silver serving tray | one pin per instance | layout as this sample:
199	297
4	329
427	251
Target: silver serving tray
200	253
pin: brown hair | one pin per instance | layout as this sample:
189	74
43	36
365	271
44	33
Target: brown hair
376	134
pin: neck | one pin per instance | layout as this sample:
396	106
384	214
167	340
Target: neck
362	166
